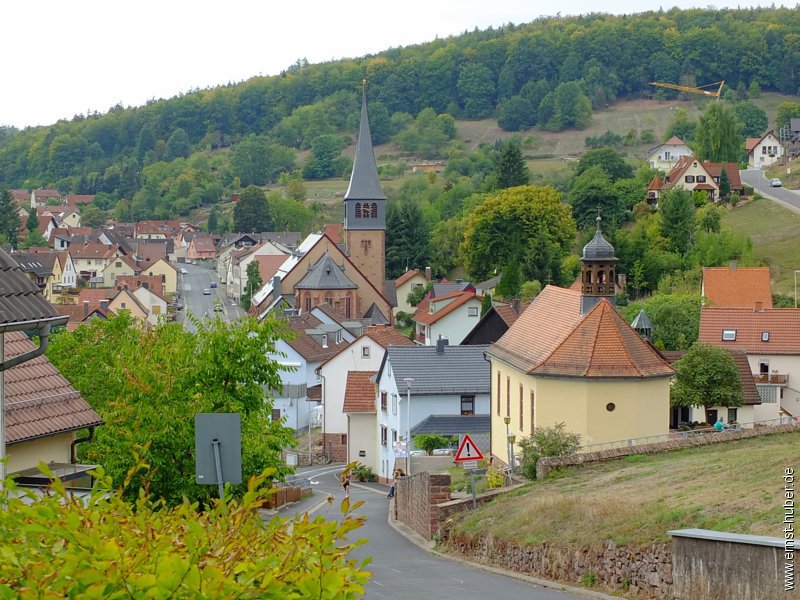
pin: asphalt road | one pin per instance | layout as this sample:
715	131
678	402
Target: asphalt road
755	178
401	569
191	286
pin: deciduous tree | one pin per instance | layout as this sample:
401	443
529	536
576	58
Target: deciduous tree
718	138
254	283
707	376
251	212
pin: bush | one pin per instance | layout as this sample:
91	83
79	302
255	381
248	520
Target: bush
546	441
104	547
363	473
429	442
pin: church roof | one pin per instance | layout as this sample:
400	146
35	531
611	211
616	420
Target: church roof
326	275
598	248
364	182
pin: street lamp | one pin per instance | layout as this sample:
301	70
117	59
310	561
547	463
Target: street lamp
511	439
507	421
409	381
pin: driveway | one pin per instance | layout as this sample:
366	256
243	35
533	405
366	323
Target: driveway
756	178
402	570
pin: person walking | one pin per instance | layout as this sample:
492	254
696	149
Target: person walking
346	485
392	485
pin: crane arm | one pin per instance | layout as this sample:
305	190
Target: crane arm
693	90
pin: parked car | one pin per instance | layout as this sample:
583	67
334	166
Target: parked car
206	292
213	284
443	452
177	305
217	307
775	182
184	271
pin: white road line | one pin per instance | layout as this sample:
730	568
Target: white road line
378	583
396	571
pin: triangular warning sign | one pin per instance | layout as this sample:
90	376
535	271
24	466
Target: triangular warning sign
468	450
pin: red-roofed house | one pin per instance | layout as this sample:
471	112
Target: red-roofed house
41	197
156	230
201	247
451	317
763	151
76	201
691	174
771	339
131	282
665	156
407	283
734	286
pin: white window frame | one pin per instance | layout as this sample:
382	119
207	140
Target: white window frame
365	351
728	335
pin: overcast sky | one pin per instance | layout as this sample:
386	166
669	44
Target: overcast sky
62	58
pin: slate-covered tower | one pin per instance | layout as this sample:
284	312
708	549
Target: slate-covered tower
365	209
598	272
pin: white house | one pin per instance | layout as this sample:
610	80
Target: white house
666	156
407	283
415	382
451	316
764	151
155	304
365	354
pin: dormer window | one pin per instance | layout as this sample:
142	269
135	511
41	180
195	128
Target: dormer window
431	308
765	336
728	335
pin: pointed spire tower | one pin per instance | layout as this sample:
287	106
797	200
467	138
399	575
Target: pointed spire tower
598	272
365	209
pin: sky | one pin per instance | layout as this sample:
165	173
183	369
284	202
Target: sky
61	59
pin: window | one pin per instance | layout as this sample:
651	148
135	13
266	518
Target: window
156	309
533	412
358	210
308	302
508	396
728	335
364	351
122	305
498	393
610	407
732	415
383	435
384	397
765	336
394	404
689	179
467	405
394	436
324	340
472	311
521	410
344	439
118	264
701	179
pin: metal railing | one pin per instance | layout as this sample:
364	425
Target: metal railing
683	435
772	378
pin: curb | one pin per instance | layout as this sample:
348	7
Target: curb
429	546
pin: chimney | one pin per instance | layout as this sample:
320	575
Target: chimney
428	273
759	307
85	308
276	286
733	265
440	344
622	280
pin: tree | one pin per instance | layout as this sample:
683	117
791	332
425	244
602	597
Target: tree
486	303
677	219
430	442
786	111
33	220
609	160
251	212
149	550
546	441
676	318
222	367
177	145
511	168
416	295
724	184
709	218
707	376
34	239
530	222
718	138
592	191
92	216
476	91
566	106
213	220
753	121
325	158
9	218
407	232
508	286
681	126
254	283
529	290
516	113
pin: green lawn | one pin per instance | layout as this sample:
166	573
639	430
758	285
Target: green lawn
735	486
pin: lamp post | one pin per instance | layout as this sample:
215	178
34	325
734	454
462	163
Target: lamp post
409	381
507	421
511	439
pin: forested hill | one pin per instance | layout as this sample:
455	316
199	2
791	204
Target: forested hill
550	73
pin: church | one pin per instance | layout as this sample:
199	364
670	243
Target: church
351	279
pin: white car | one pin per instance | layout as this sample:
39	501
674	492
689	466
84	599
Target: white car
183	271
775	182
206	292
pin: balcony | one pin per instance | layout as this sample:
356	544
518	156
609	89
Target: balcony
780	379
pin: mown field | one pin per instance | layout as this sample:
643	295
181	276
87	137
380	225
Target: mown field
735	486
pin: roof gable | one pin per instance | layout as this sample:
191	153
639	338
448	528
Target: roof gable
359	393
739	286
455	300
326	275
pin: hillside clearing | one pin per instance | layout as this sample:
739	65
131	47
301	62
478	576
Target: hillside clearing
735	486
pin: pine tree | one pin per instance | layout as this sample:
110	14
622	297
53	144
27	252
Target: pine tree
486	303
9	219
724	185
213	223
33	220
511	168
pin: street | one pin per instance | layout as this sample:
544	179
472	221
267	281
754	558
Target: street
401	569
756	178
191	286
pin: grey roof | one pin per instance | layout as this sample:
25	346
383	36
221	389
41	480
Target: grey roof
449	425
326	275
290	239
442	289
458	369
375	315
598	248
364	182
642	321
118	238
390	292
489	283
20	298
794	124
39	263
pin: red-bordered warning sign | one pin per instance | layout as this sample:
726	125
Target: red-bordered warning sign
468	450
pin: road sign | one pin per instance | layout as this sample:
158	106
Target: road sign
469	464
468	450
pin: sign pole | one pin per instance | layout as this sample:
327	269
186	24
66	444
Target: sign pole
472	485
218	465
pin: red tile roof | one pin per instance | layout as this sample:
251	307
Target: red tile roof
423	315
151	252
39	401
674	141
405	277
92	250
656	183
715	170
359	394
386	335
782	326
510	313
334	231
306	346
751	143
268	265
153	282
742	286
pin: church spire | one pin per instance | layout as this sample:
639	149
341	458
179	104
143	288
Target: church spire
364	182
598	271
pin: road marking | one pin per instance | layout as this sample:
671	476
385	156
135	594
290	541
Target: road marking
460	581
378	583
396	571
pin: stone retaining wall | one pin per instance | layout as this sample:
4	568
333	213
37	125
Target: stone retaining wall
545	465
642	573
416	500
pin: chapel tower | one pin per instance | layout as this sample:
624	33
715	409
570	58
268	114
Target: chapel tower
598	272
365	209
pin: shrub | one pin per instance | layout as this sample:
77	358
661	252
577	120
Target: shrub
546	441
363	473
429	442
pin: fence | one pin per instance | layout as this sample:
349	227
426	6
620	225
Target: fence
293	489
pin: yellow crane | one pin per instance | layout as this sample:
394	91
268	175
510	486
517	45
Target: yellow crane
716	93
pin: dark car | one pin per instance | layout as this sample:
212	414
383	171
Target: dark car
213	284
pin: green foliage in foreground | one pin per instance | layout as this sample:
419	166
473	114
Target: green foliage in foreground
104	547
546	441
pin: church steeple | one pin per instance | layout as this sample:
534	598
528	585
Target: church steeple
598	272
365	208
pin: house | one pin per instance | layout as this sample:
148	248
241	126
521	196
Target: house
359	409
793	135
153	302
120	266
494	323
415	382
488	286
407	283
735	286
91	259
126	300
571	358
451	317
131	282
764	151
269	256
43	197
363	355
770	337
42	412
83	312
693	175
68	218
156	230
665	156
39	266
78	201
64	275
163	269
201	247
315	341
